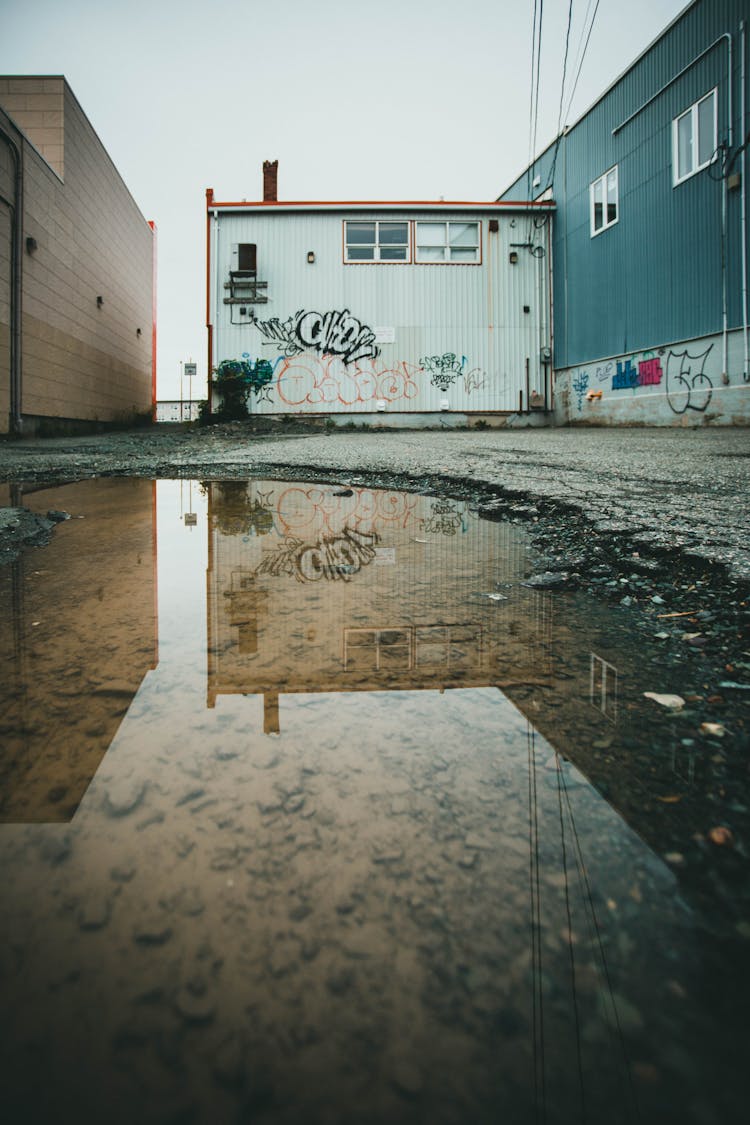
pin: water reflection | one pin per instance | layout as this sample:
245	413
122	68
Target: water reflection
327	871
77	626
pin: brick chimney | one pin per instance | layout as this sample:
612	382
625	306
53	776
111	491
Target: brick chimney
270	180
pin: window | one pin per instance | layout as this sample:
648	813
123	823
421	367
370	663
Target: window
694	138
377	242
604	201
447	242
246	256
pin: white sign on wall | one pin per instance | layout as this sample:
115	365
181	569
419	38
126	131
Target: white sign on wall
385	335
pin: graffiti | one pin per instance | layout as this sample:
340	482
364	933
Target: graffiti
604	371
299	510
321	382
443	369
580	386
254	376
626	377
474	380
688	385
335	333
445	519
332	557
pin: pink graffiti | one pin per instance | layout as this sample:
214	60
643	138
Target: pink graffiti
320	381
301	510
649	372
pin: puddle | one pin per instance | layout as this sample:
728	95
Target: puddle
312	812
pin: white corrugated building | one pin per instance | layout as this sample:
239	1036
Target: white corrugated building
393	313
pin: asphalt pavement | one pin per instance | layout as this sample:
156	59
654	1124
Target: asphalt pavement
682	490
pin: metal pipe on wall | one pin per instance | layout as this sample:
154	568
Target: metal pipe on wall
16	293
743	200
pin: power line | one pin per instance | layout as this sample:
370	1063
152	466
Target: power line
583	56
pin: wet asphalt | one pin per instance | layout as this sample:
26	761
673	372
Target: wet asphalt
681	493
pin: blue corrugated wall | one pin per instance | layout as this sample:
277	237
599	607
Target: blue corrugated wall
656	275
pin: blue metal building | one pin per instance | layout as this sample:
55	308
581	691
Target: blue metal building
650	242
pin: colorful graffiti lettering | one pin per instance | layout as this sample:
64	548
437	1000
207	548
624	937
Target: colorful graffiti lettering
253	375
688	385
580	386
626	377
335	333
443	369
320	382
332	557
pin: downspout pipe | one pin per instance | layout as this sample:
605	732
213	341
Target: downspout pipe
16	289
743	203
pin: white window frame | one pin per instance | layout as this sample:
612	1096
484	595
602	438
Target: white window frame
446	244
377	244
602	181
692	111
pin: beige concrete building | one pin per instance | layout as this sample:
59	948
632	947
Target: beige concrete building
77	264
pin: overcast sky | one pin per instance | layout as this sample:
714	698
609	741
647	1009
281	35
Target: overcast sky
357	99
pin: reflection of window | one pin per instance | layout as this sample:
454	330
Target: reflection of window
603	686
604	201
694	138
447	242
377	650
377	241
448	646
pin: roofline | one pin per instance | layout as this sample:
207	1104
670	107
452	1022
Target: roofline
607	90
378	205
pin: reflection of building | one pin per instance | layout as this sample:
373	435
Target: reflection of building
310	590
79	633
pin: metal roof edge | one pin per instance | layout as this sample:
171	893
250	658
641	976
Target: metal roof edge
381	205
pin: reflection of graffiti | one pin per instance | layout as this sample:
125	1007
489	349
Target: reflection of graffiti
299	510
335	333
443	369
332	557
580	386
628	378
688	386
444	519
308	379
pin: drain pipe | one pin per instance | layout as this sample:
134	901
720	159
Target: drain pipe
743	206
16	210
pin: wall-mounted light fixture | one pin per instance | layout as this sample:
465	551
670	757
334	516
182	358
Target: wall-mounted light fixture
513	257
138	333
311	256
527	308
494	226
31	245
99	302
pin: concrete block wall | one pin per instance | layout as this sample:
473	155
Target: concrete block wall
84	360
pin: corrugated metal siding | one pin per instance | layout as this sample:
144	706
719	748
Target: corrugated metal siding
473	312
655	276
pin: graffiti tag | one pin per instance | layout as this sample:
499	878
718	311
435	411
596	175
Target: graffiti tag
443	369
335	333
332	557
315	381
474	380
688	385
580	386
626	377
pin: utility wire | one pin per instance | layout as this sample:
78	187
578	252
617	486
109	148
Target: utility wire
551	176
583	56
537	999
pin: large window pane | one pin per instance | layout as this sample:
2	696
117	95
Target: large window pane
391	233
431	234
360	233
463	234
706	137
459	254
685	144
